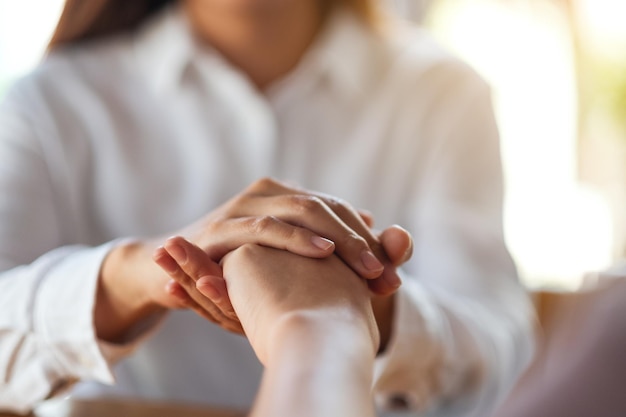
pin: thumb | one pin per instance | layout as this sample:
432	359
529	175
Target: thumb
397	243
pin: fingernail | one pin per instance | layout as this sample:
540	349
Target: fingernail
322	243
393	280
370	261
177	253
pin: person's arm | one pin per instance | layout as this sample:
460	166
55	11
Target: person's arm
317	366
70	311
46	285
267	212
309	321
463	324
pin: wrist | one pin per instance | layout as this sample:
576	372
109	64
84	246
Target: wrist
123	297
325	365
123	273
341	329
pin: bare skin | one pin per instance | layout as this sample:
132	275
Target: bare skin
265	39
269	213
196	275
311	324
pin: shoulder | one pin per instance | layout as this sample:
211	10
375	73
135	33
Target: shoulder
419	59
66	72
63	99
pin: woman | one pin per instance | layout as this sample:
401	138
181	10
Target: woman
147	116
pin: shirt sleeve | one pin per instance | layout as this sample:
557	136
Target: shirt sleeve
46	324
463	324
47	286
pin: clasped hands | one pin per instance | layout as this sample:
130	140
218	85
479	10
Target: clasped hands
275	249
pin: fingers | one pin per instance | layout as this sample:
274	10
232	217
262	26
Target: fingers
398	244
191	259
179	296
361	221
185	301
387	284
185	263
215	289
272	213
198	270
178	288
265	230
315	214
367	217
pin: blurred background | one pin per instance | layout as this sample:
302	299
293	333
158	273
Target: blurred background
558	72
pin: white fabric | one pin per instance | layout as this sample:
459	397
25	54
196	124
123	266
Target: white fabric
143	134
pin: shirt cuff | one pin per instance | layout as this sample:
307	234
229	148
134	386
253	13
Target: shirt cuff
406	374
114	352
63	316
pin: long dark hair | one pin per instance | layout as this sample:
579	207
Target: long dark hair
89	19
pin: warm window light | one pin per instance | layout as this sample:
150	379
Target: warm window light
603	21
25	27
556	229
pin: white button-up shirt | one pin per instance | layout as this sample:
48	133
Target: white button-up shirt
144	133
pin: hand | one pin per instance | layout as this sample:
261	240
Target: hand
267	213
268	285
189	270
310	323
186	267
398	246
273	214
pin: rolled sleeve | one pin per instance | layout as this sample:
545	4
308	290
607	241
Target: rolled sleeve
48	340
63	314
408	375
451	353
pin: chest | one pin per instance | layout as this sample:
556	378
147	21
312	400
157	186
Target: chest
156	167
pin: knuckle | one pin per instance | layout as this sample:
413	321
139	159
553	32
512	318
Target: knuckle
342	208
262	184
336	203
237	201
213	227
292	233
353	241
245	252
307	203
260	225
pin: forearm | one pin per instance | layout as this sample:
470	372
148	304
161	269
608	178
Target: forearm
121	301
318	365
446	349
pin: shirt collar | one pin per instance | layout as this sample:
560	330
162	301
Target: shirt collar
165	47
345	53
